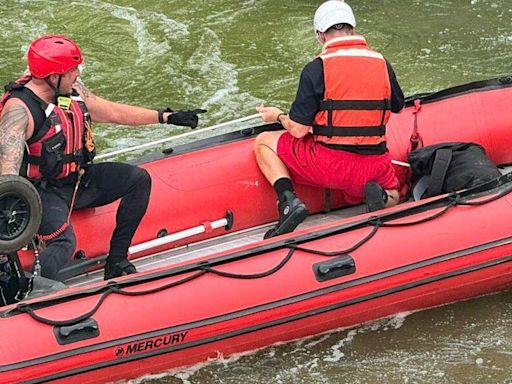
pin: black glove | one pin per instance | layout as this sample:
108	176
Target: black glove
184	117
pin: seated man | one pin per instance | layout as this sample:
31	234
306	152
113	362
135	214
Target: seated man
335	133
45	135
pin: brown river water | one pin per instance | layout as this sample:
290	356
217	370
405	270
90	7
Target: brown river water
230	55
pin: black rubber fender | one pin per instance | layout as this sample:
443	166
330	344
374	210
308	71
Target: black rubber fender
20	212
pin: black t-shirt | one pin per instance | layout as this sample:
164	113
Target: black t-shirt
311	92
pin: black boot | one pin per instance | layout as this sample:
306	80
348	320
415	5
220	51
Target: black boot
118	269
375	196
292	212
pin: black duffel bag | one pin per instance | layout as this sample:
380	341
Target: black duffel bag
449	167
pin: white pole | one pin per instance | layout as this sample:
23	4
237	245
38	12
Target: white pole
403	164
175	236
157	142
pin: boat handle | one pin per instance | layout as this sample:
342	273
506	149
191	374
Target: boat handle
331	269
83	330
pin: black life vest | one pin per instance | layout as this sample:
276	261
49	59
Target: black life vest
62	140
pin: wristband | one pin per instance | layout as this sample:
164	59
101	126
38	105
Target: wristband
278	116
161	114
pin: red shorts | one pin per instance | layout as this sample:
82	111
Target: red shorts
313	164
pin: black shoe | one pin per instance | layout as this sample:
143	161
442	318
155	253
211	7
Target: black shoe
292	212
375	196
118	269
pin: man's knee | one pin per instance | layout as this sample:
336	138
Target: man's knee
68	246
140	178
66	242
57	253
143	177
268	140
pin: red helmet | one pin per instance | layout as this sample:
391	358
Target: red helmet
52	54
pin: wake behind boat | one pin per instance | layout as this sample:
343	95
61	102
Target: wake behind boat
210	285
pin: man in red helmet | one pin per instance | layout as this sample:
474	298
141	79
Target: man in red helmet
45	135
334	135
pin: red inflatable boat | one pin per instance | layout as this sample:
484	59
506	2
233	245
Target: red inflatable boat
209	285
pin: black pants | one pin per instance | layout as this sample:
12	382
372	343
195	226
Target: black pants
100	185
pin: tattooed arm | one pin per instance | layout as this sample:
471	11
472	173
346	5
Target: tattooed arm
105	111
14	129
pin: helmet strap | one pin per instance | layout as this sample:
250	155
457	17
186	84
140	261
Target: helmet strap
53	87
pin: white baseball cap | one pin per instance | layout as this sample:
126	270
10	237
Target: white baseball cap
333	12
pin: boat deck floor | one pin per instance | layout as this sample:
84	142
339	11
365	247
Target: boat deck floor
224	243
217	244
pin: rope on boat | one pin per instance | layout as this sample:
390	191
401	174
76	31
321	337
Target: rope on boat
112	288
376	226
376	222
167	139
271	271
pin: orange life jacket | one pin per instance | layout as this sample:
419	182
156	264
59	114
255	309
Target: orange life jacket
357	99
63	143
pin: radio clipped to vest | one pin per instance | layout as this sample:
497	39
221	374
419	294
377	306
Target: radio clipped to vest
64	102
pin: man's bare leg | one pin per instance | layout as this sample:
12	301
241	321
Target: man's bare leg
266	155
292	211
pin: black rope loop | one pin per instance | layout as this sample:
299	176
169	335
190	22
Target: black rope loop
376	221
423	220
344	251
161	288
25	308
112	287
271	271
486	201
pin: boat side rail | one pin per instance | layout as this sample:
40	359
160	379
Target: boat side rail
424	98
495	189
476	86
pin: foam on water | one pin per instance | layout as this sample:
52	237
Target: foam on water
186	373
20	25
218	79
149	47
377	351
314	346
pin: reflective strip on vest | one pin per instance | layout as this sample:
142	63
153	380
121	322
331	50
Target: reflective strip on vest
48	111
353	52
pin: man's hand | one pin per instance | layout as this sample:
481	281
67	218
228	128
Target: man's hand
186	118
275	115
269	114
